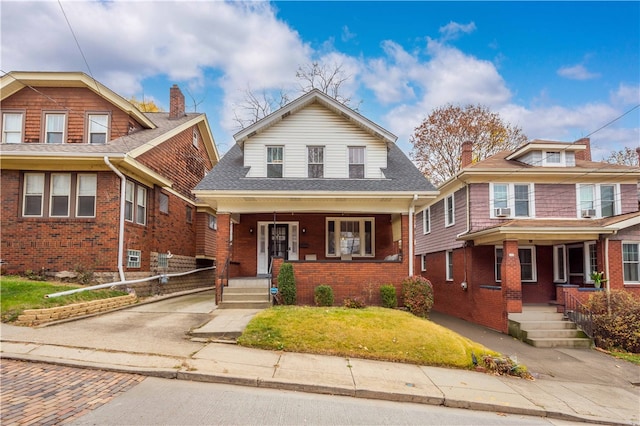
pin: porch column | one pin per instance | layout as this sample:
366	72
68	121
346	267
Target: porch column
510	273
223	251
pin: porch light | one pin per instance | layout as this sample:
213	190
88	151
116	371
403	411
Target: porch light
304	230
251	230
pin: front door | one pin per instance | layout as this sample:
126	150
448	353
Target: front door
279	240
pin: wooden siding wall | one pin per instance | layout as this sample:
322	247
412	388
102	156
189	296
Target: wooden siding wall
315	126
441	237
78	101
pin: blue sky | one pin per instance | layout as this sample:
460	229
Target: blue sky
559	70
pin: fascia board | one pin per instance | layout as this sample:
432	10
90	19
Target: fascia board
545	146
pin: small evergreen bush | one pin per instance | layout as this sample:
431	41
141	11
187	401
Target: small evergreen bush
323	295
354	303
418	295
388	296
287	284
618	329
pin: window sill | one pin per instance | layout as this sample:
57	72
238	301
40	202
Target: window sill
491	287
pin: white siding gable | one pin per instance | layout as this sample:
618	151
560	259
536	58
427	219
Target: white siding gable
315	125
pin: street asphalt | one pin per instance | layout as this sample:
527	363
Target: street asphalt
174	338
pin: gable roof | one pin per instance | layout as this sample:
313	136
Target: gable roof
15	81
308	98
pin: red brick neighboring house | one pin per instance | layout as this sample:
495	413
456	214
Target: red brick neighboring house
526	226
91	183
317	185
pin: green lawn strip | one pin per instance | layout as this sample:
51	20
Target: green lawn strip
18	294
372	333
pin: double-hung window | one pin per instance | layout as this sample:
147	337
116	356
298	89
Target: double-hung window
449	265
527	257
511	200
631	262
98	125
315	161
55	126
350	236
86	195
598	200
60	194
33	199
12	125
356	162
275	161
426	220
135	205
449	211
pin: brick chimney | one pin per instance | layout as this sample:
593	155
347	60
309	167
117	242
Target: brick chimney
176	103
586	154
467	154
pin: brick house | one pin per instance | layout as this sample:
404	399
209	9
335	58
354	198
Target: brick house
91	183
526	227
320	186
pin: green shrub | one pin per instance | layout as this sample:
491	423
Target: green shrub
417	294
620	328
287	284
323	295
388	296
354	303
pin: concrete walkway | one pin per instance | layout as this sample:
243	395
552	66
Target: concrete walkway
606	396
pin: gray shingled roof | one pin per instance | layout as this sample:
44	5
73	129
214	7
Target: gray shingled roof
230	175
120	145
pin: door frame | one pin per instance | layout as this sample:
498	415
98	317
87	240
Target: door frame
262	245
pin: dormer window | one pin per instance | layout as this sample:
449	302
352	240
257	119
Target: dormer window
553	157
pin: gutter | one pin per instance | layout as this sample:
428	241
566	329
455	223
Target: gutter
123	183
412	210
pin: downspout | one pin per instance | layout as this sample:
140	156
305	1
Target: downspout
123	184
606	271
464	247
412	210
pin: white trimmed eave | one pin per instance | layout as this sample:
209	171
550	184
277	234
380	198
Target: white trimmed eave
312	201
15	81
305	100
536	235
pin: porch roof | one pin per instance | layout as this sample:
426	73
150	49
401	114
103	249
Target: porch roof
552	231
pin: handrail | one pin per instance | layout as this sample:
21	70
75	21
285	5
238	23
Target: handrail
578	313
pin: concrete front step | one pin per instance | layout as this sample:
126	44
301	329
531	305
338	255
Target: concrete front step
576	343
546	325
248	297
537	316
252	282
243	304
555	334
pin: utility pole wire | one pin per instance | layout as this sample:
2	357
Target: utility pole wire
613	121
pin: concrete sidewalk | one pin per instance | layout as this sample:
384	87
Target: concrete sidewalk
575	400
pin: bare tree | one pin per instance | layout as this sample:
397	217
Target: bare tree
327	78
626	157
437	141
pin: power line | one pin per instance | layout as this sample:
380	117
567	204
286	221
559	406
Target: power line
613	121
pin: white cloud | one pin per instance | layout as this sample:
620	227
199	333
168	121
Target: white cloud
453	30
626	95
577	72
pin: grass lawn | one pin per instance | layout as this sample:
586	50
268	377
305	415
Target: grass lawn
372	333
18	294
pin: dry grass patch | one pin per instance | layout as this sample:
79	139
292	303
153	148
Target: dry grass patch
372	333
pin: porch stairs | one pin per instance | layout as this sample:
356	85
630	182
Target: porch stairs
543	327
246	293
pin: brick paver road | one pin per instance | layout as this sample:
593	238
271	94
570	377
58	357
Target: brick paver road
44	394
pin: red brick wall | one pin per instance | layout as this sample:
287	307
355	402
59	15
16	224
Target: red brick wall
59	244
205	236
77	100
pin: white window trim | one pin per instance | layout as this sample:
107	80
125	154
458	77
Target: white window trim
195	138
4	126
587	261
267	163
364	161
448	257
426	225
423	262
106	130
556	261
446	210
323	158
42	194
45	129
78	195
337	221
132	255
561	163
637	243
534	270
68	195
213	222
597	199
511	200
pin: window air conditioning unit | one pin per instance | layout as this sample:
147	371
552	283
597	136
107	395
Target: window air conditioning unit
588	213
503	212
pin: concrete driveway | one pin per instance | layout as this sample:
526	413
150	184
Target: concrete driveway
155	328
